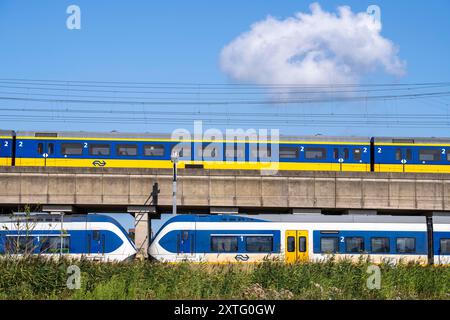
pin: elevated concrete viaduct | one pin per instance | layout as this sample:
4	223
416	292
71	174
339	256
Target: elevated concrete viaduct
128	190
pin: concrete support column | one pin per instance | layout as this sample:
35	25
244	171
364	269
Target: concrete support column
142	226
142	234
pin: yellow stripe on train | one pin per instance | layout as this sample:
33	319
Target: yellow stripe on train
119	163
5	162
417	168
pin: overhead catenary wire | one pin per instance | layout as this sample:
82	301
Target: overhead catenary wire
119	102
197	85
234	102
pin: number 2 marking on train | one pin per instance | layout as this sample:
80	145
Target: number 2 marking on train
443	151
302	148
85	145
20	144
379	150
365	149
6	143
342	239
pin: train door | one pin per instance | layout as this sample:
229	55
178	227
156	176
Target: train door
96	243
185	242
47	151
403	156
296	246
341	155
443	249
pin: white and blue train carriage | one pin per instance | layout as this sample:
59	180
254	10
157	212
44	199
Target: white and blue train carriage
290	238
94	237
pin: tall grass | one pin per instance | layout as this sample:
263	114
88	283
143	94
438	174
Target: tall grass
35	278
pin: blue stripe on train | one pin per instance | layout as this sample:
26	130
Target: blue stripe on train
78	240
437	237
421	240
6	148
28	148
387	154
202	239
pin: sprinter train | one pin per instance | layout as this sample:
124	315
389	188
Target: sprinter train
82	149
291	238
92	237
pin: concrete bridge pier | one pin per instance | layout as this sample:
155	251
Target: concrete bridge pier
142	225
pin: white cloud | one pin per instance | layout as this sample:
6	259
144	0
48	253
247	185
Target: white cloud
319	48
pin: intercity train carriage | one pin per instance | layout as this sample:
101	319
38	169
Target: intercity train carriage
93	237
231	238
411	155
79	149
314	153
6	148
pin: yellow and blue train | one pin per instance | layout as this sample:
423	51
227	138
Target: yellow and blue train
317	153
92	237
292	238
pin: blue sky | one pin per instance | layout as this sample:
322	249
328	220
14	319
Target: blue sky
176	41
181	42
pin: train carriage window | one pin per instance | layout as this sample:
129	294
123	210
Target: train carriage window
183	149
429	155
259	243
52	244
301	244
99	149
20	245
329	244
260	151
153	150
408	154
445	246
448	155
235	151
406	245
335	153
224	244
288	152
354	244
346	153
96	235
126	149
315	153
291	244
50	148
398	154
40	148
211	150
357	154
71	148
380	245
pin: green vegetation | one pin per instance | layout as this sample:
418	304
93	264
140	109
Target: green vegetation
35	278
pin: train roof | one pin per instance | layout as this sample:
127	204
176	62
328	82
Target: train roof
342	218
299	218
441	219
6	132
412	140
166	136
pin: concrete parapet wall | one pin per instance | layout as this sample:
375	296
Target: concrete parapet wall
99	187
